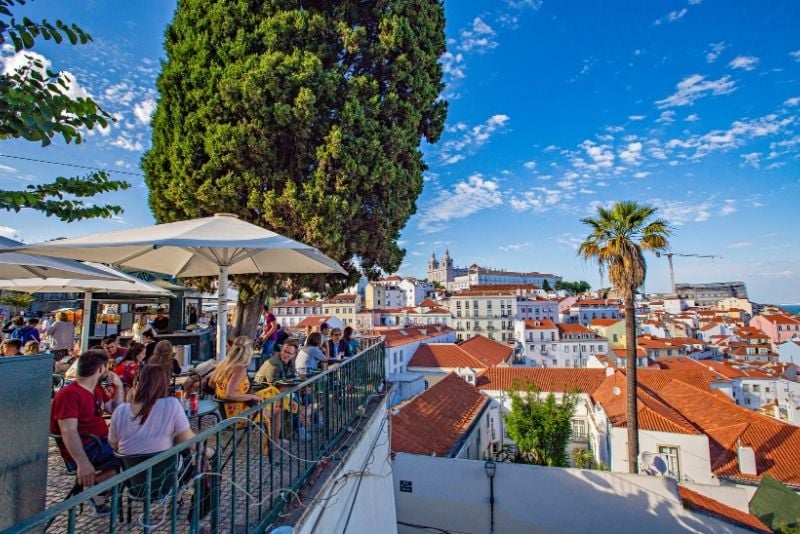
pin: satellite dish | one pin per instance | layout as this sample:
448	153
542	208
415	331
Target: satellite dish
616	391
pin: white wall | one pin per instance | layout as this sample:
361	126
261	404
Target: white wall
374	509
453	495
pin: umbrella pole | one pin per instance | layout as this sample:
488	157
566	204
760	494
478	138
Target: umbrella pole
222	312
87	312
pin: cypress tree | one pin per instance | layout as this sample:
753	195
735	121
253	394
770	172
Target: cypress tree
304	117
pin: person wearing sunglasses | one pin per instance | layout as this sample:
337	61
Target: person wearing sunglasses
77	412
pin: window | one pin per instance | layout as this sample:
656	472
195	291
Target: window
756	388
673	461
578	429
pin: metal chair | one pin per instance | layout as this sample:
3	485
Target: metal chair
77	487
167	477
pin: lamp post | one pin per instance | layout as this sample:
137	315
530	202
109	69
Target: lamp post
490	467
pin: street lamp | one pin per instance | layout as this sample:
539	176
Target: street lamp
490	467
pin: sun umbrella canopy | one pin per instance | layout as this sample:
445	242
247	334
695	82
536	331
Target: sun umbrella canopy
18	265
197	247
219	245
115	282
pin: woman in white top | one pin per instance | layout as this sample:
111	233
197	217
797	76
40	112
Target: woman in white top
62	335
140	327
311	355
153	422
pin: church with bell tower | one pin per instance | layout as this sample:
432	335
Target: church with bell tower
443	271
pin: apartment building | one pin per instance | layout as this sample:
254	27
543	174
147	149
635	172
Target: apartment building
290	313
710	294
344	306
486	312
548	344
585	311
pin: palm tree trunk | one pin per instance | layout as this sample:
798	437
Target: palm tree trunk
630	371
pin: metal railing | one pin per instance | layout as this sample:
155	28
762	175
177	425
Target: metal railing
256	470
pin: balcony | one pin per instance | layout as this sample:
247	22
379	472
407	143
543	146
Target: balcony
252	480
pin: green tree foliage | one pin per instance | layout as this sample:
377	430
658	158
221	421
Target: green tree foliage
617	240
583	458
35	105
17	300
303	117
573	288
541	426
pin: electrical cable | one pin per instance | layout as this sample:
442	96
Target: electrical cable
74	165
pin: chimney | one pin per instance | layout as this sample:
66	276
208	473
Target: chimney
747	461
609	371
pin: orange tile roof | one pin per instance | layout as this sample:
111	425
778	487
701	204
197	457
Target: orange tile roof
706	505
296	303
654	415
394	337
573	328
344	298
604	322
543	324
428	303
727	425
623	353
438	311
550	379
314	321
434	422
482	346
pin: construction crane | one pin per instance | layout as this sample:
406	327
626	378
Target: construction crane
682	255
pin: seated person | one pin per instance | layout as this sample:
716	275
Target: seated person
231	383
311	355
153	421
77	410
111	344
130	364
12	347
352	344
338	348
31	348
72	372
279	366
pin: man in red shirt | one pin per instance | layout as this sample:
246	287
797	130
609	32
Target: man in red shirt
111	344
77	411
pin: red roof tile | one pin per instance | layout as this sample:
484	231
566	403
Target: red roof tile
435	421
550	379
604	322
700	503
428	303
312	320
544	324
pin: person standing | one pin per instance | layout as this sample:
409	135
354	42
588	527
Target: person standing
161	322
141	326
192	316
269	335
29	332
62	334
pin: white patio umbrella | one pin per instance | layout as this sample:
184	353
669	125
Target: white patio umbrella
116	282
16	265
212	246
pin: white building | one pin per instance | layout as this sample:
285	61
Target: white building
547	344
293	312
585	311
402	343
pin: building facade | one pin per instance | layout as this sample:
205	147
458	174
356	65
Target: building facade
710	294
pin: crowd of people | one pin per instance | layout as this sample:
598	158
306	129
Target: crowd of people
120	400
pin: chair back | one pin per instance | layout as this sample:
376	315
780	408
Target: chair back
163	475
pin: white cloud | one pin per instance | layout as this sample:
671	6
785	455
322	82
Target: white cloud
480	38
513	247
466	197
642	174
728	208
694	117
716	50
569	240
695	87
738	133
636	117
530	165
632	154
681	212
780	274
666	117
473	138
127	143
795	55
144	110
8	169
740	244
27	58
753	159
538	199
119	93
601	155
453	65
794	101
744	62
8	232
672	16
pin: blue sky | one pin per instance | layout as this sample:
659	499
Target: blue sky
555	107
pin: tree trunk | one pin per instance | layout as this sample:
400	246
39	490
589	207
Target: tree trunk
630	371
245	321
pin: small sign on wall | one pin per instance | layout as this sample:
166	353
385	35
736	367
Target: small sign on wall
406	486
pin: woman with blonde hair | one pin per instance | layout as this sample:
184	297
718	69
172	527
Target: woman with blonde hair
164	357
231	383
31	348
140	327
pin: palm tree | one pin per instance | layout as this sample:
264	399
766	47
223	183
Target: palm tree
617	240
